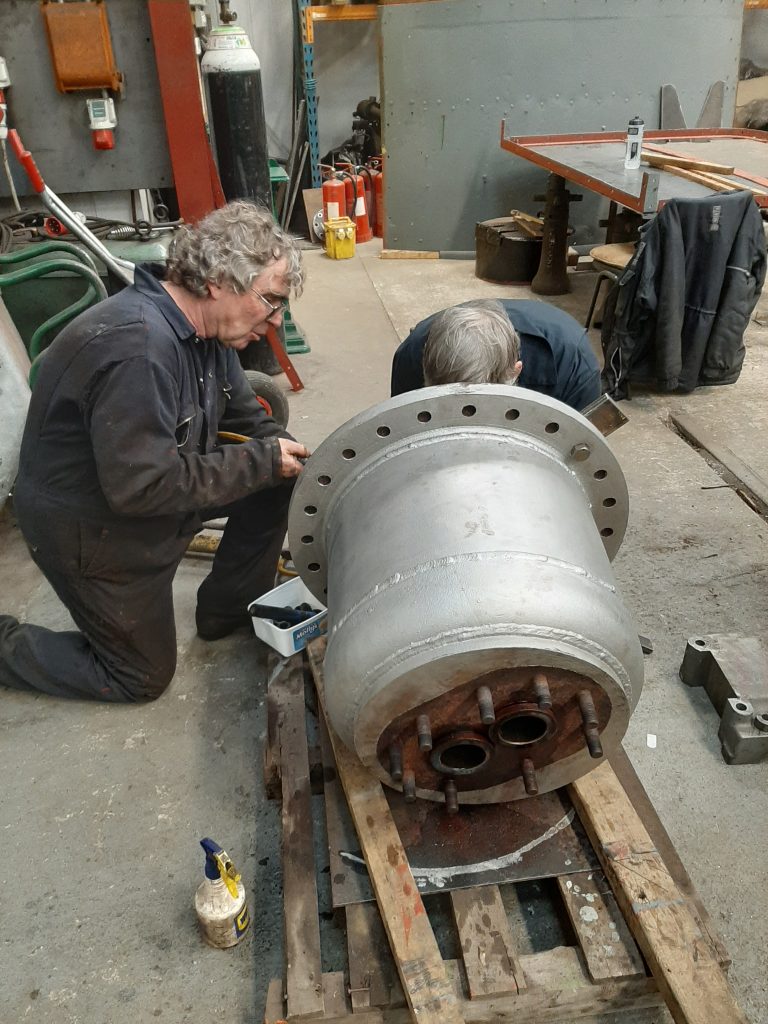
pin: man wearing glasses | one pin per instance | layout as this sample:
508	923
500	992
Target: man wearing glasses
121	462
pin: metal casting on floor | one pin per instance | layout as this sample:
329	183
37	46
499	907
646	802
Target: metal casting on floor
461	536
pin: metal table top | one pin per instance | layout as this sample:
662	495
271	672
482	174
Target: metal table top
596	162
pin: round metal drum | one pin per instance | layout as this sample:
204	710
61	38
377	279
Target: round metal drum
461	537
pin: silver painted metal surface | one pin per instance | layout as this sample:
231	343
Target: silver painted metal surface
456	532
452	71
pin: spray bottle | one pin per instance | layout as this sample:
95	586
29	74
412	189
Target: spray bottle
220	899
634	143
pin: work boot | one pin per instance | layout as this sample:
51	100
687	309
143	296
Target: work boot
216	627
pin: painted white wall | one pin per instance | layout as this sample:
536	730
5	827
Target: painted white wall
346	69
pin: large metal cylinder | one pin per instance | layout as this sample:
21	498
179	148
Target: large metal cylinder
461	537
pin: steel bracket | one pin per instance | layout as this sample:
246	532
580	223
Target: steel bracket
734	672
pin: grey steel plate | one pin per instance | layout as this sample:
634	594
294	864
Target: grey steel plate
487	844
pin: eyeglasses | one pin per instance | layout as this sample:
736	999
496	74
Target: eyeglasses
280	308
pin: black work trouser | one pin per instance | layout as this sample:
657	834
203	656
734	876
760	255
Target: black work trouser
122	604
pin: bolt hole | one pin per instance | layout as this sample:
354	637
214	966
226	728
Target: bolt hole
310	510
609	502
314	566
700	643
324	480
520	730
463	757
606	531
740	706
468	410
383	431
552	428
307	539
512	414
348	453
600	474
424	416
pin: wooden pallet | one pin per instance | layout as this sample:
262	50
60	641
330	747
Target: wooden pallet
639	937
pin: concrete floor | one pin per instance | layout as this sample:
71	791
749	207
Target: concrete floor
102	807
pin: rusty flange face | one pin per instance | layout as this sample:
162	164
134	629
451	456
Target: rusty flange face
383	431
478	755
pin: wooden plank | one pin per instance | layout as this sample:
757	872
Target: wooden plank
408	254
271	763
373	979
710	182
641	802
661	159
488	949
697	433
274	1009
417	957
608	947
335	994
303	969
660	917
558	991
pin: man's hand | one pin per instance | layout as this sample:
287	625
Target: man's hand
290	453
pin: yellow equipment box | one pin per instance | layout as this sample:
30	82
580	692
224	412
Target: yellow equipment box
340	238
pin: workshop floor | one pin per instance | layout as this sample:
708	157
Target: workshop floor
102	807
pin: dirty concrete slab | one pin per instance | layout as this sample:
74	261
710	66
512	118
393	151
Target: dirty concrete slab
113	937
101	813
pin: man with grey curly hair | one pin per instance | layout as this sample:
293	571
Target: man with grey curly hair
490	341
122	460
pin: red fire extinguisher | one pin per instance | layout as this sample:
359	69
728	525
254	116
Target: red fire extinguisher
377	207
358	209
334	198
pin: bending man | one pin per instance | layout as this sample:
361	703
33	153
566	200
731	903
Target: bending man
120	462
488	341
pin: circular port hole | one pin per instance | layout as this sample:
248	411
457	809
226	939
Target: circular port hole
740	706
606	531
314	567
348	453
600	474
324	480
512	414
552	428
700	643
521	730
383	431
310	510
468	410
461	758
609	502
307	539
424	416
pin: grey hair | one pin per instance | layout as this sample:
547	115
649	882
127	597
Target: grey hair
473	343
231	246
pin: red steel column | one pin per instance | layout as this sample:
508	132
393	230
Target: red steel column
195	177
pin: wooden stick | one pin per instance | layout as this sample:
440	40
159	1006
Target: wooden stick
709	181
303	967
686	162
660	917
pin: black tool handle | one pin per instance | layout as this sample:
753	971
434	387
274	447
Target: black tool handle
271	611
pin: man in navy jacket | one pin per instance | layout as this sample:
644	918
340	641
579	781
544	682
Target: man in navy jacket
121	462
493	341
